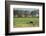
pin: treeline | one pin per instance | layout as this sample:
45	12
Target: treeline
26	13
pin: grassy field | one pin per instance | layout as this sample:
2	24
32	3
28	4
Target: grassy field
25	22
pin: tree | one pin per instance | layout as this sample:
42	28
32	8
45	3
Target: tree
33	13
25	13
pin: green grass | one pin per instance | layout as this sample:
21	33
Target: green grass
25	22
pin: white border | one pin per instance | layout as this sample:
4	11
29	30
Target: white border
27	28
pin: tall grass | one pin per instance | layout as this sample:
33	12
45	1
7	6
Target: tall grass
25	22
